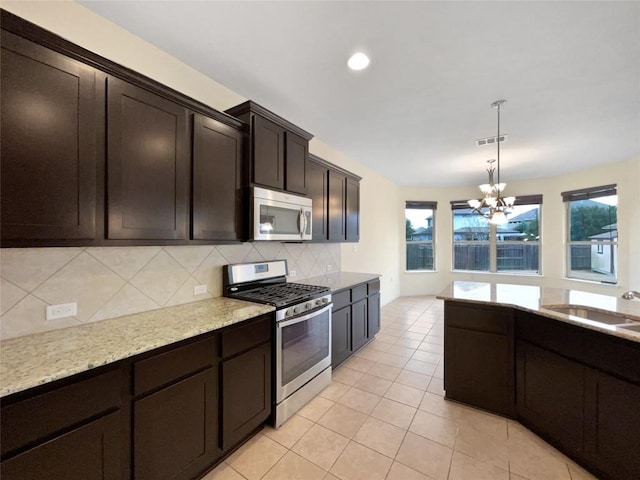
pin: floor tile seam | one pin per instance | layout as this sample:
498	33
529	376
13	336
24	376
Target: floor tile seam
235	470
276	462
436	441
428	477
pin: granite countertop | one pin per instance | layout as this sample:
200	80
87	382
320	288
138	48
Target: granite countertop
340	280
40	358
535	299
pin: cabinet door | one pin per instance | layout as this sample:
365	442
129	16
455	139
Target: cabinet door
246	394
48	143
268	153
337	199
297	154
217	182
352	213
550	391
317	176
340	336
359	332
477	369
612	425
175	430
89	452
373	309
147	165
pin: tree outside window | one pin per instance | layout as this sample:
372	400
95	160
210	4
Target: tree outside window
592	244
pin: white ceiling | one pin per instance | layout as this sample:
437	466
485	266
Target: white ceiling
570	71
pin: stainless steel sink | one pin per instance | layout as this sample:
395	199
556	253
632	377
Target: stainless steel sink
635	328
590	314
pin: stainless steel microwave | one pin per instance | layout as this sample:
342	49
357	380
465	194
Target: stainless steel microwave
279	216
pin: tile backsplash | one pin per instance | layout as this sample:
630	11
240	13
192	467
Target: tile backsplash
109	282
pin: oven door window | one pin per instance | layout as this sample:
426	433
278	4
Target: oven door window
279	220
304	345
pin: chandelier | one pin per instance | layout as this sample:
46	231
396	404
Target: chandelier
493	205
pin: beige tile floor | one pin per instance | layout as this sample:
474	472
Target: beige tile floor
384	417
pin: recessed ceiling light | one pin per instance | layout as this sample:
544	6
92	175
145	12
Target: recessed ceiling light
358	61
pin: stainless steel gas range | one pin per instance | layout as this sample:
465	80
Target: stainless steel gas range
302	347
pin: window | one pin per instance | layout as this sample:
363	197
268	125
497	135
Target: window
510	248
420	232
592	243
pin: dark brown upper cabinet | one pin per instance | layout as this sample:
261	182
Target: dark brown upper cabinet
335	194
50	115
278	149
147	164
317	181
337	202
297	155
216	180
352	209
96	154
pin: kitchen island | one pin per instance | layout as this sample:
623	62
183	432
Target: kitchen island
564	363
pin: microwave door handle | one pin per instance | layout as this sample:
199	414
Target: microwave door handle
301	223
306	223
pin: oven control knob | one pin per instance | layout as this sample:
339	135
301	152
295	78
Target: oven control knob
308	306
325	300
319	301
287	312
296	309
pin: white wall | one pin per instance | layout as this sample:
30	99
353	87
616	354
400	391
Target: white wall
625	174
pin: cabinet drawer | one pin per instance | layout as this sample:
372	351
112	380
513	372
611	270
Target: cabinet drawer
478	318
38	417
341	299
358	292
247	335
173	365
373	287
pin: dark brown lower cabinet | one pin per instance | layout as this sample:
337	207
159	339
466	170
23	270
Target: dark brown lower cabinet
612	425
246	394
551	394
89	452
478	368
340	335
373	313
175	430
168	414
578	389
359	324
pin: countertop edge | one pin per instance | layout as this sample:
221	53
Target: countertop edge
611	331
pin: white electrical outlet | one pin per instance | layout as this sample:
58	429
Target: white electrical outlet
292	273
62	310
329	267
199	289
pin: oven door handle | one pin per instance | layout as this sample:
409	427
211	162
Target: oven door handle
303	318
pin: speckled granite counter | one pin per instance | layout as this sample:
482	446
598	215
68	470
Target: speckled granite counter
338	281
534	299
33	360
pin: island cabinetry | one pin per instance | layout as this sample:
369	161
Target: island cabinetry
335	194
580	390
246	379
48	140
479	356
175	425
72	432
278	149
355	319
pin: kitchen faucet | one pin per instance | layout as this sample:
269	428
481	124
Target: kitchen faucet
630	294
